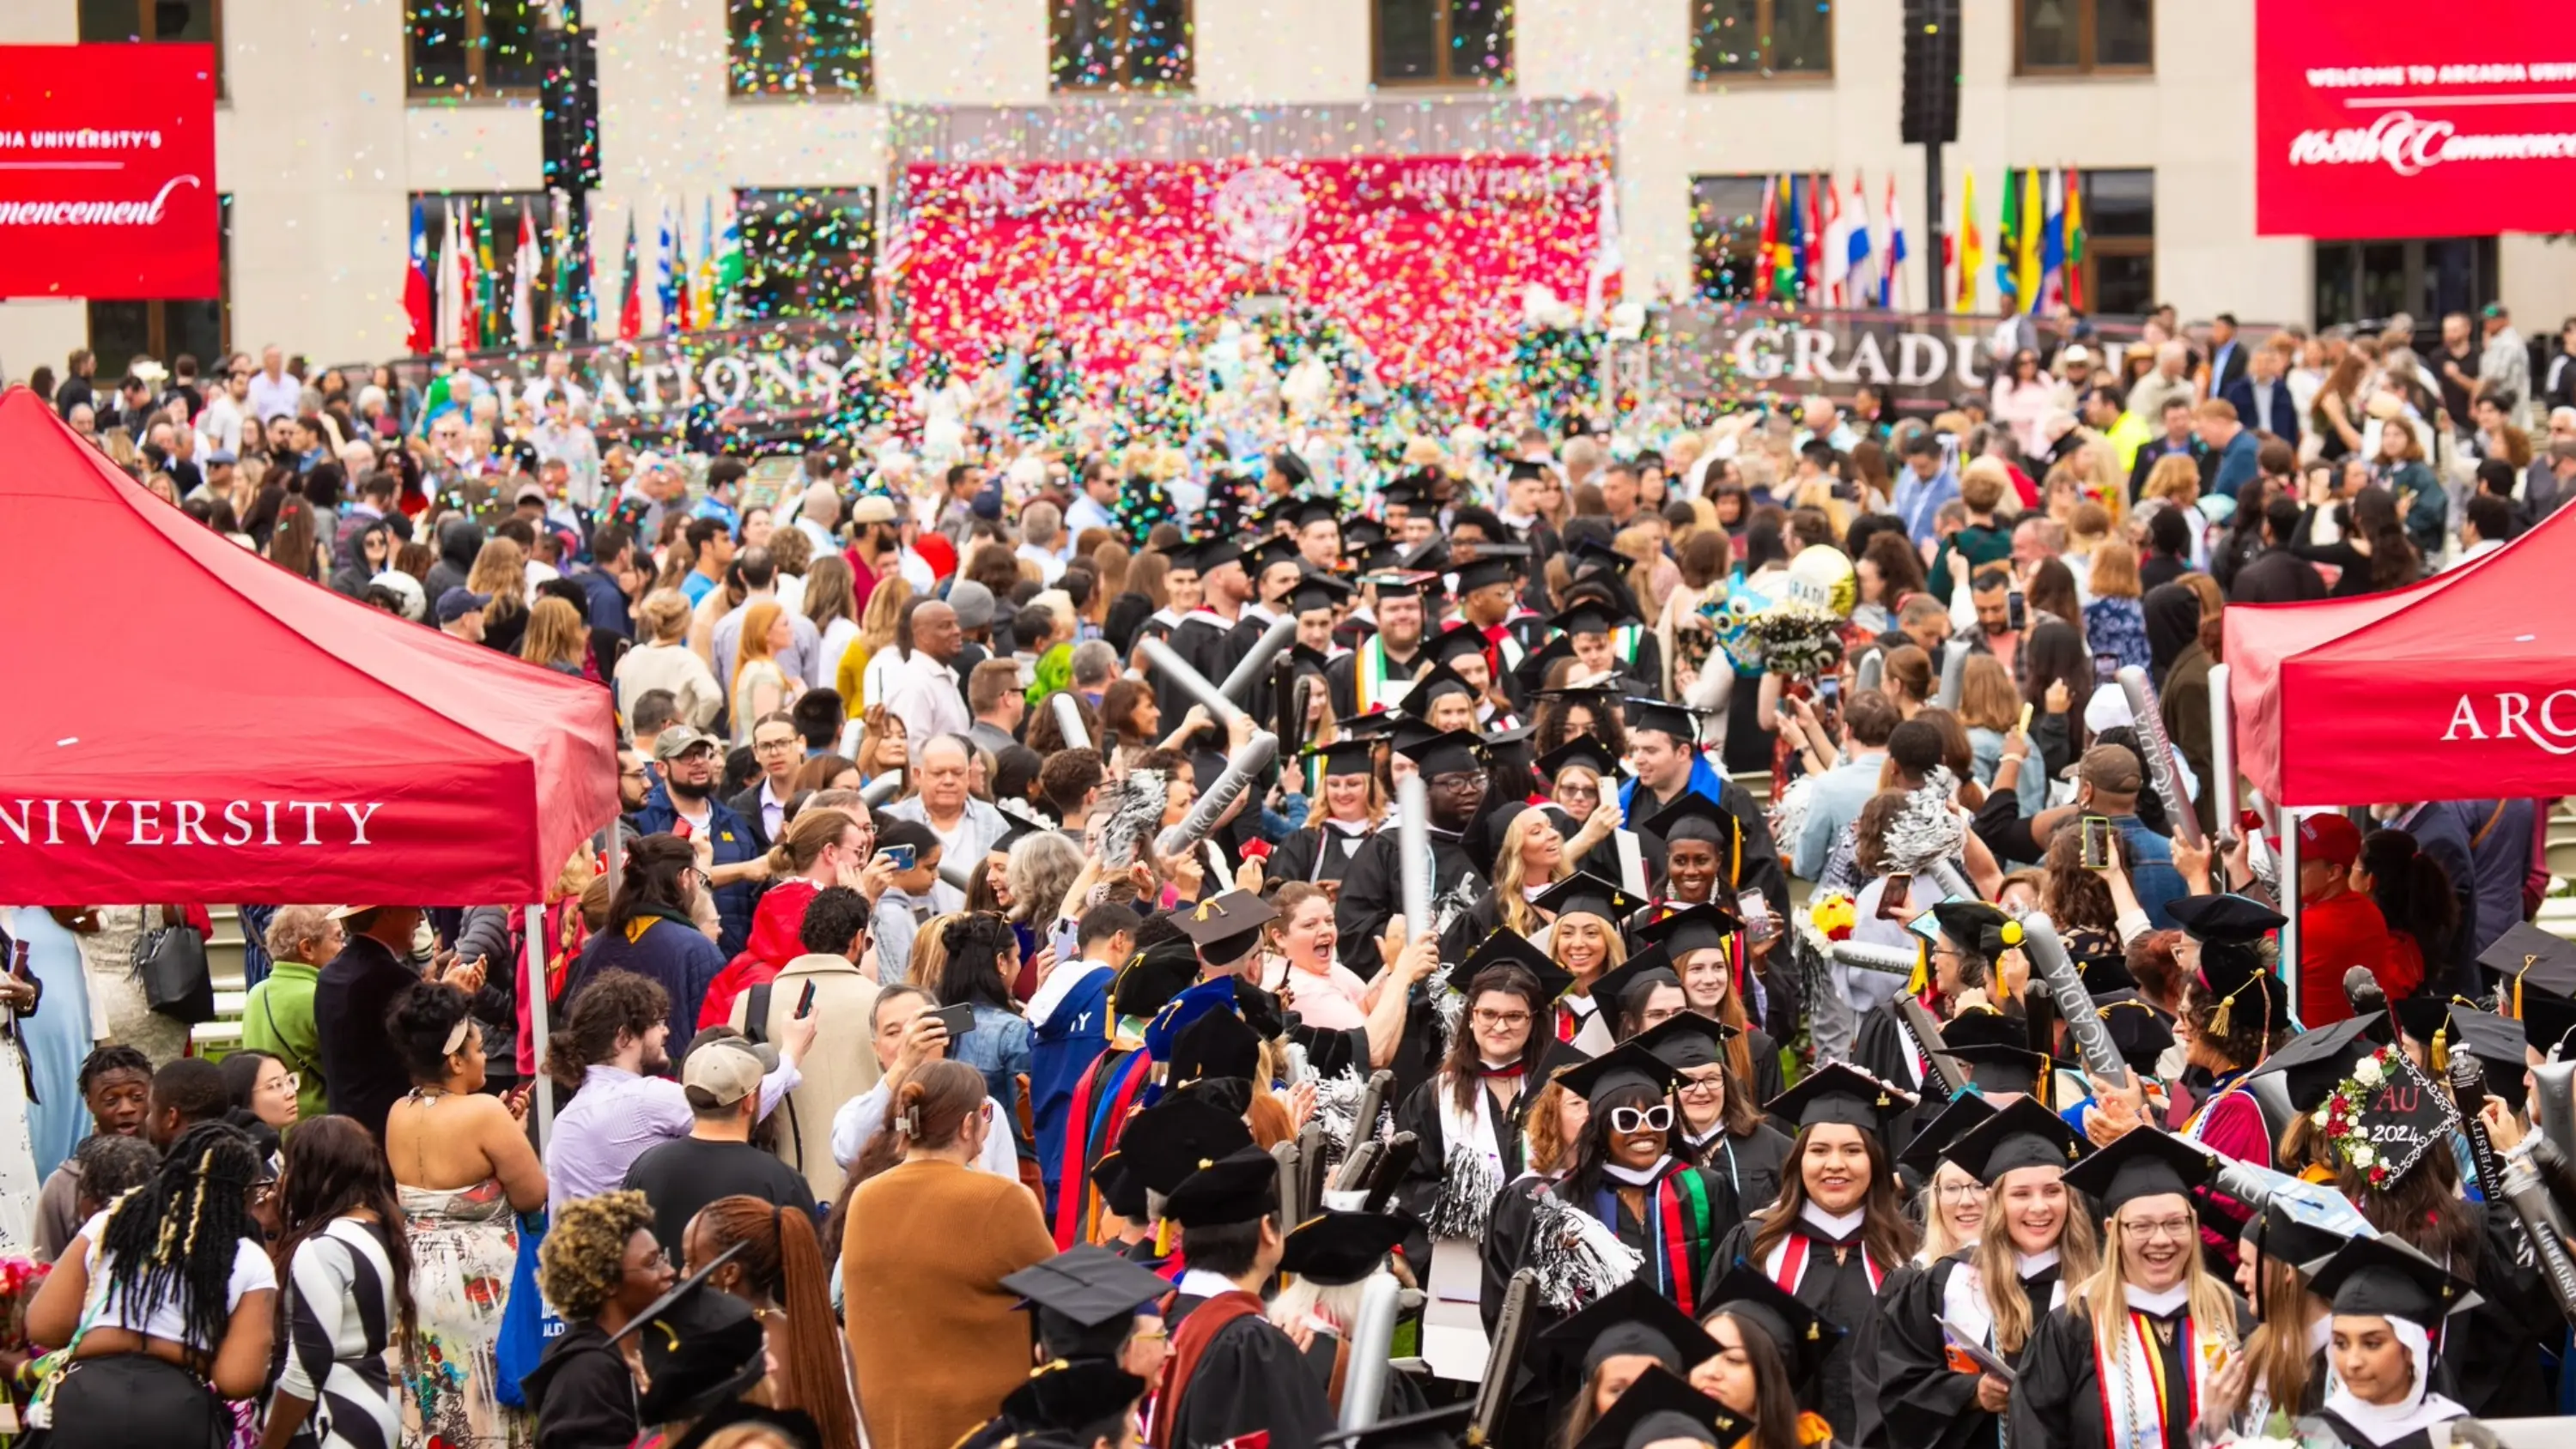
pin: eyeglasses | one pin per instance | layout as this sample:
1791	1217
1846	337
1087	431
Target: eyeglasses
292	1082
772	747
1708	1086
1958	1191
1483	1017
2180	1228
1657	1118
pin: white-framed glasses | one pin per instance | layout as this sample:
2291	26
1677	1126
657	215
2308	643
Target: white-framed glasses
1657	1118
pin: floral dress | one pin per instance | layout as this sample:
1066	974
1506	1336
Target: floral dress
464	1246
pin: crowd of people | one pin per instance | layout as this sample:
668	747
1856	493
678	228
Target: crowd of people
1080	918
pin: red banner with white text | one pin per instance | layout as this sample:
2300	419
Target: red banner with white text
2377	118
1426	259
107	172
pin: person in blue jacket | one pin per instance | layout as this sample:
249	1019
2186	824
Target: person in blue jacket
652	930
1663	746
1071	1012
685	802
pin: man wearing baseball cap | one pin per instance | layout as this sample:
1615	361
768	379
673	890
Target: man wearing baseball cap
2107	782
2340	927
721	1078
685	804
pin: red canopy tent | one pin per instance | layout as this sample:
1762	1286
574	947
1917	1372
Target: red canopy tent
2460	688
192	723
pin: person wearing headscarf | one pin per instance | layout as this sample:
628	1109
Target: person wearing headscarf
2179	667
2388	1300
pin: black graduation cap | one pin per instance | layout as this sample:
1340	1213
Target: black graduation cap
1533	668
1511	747
2024	1134
1584	750
2526	956
1688	1040
1931	1141
1154	975
1207	555
1225	928
2143	1162
1013	828
1175	1137
1336	1248
1623	988
2226	918
1362	531
1293	468
1630	1319
2001	1068
1626	1065
1592	616
1979	926
2137	1029
1588	550
2423	1017
1218	1044
2313	1062
1525	468
1086	1299
2385	1278
1591	895
1345	756
1700	927
1120	1188
2099	962
1431	684
1507	947
1660	1408
1269	551
1694	816
1369	726
1804	1337
1441	1428
2275	1233
1067	1396
1317	591
1240	1187
2234	973
1450	752
1490	566
1838	1092
1433	554
702	1346
1663	717
1456	642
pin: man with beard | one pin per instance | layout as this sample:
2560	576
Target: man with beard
1205	637
613	1052
686	806
1376	674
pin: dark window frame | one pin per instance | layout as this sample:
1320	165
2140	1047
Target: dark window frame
1062	79
1702	233
1444	46
146	23
477	84
753	209
2087	42
736	86
158	312
1765	20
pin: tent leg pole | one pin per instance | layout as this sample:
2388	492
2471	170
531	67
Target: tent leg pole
2290	904
535	986
616	857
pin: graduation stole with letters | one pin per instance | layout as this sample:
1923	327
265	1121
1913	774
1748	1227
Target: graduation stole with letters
1680	1237
2136	1399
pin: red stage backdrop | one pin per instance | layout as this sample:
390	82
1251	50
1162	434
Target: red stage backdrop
107	171
2370	122
1425	258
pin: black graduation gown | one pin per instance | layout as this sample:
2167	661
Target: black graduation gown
1760	869
1206	643
1316	853
1882	1048
1922	1402
1252	1377
1507	1230
1400	1397
2513	1307
1341	674
1751	1164
1373	891
1726	1220
1419	1191
2057	1401
1841	1292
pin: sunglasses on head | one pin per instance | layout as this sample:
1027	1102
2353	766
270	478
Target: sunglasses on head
1657	1118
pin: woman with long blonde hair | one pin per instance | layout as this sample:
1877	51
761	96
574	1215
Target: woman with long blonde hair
1583	939
877	622
557	637
2141	1337
760	684
501	571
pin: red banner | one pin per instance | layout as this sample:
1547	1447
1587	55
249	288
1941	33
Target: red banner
1425	259
107	172
2371	122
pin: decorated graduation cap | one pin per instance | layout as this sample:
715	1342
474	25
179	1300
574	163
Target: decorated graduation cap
1086	1299
1584	750
702	1346
1070	1397
1316	591
1686	1041
1507	947
1403	583
1175	1137
1450	752
2311	1064
2024	1134
1979	926
1240	1187
1663	717
2138	1031
2385	1278
1591	895
2143	1162
1700	927
1631	1320
1804	1337
1662	1408
1335	1249
1346	756
2385	1116
1217	1045
1226	927
1932	1140
1839	1093
1625	1065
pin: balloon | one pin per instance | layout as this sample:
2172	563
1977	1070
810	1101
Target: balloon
1731	617
1822	577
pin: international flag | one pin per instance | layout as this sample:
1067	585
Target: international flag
1601	284
666	275
561	305
1858	248
451	281
416	289
2008	248
469	285
630	313
488	319
1837	247
2052	242
702	298
1814	269
523	284
1971	255
2026	248
2075	240
729	266
679	319
1765	243
1891	266
1793	246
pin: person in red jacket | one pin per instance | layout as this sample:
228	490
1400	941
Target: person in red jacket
2340	927
820	847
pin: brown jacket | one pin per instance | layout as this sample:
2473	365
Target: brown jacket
932	1331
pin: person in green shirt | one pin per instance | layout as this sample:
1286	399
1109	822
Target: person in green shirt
278	1016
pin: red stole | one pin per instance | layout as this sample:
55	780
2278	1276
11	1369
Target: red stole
1189	1346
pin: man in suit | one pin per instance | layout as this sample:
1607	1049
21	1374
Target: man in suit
2262	396
2227	354
778	749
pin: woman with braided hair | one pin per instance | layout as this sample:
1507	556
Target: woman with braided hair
165	1302
780	1273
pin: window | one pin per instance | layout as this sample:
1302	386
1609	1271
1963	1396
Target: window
806	253
1726	226
472	48
120	332
2082	37
1443	42
111	21
799	47
1733	38
2368	281
2119	268
1121	45
492	216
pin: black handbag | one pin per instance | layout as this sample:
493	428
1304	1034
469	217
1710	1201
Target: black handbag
171	959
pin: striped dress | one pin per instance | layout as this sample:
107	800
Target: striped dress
340	1320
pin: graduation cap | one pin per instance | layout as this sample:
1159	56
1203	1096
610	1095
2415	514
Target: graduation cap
1587	550
1623	1066
2423	1017
2311	1064
1293	468
1317	591
1979	926
1837	1092
2546	1019
1225	928
1931	1141
1511	747
1584	750
1631	1320
1450	752
1408	492
1686	1041
1431	684
2383	1277
1664	717
1269	551
2143	1162
1456	642
2099	962
1624	988
1432	554
1533	668
1369	726
1804	1337
1217	1045
2137	1029
2276	1233
1700	927
1591	895
2024	1134
2402	1116
1591	616
2225	919
1362	531
702	1346
1013	829
1489	567
1522	468
1153	976
2526	956
1339	1248
2234	973
1120	1188
1400	583
1507	947
1240	1187
1207	555
1070	1396
1345	756
1175	1137
1441	1428
1694	816
1086	1299
1660	1408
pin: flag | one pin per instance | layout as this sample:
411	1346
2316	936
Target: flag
1837	245
2008	247
451	281
469	280
2052	242
1601	285
523	283
416	291
1891	266
561	304
490	323
2075	241
666	278
2034	218
1971	255
702	305
1765	243
630	313
1812	269
1858	247
729	266
1793	246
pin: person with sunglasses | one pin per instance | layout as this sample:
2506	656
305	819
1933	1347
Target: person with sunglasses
1720	1127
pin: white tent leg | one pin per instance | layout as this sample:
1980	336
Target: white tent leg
535	986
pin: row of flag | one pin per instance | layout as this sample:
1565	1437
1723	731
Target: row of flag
2039	243
460	295
1816	250
1820	246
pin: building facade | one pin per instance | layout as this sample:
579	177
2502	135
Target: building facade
335	118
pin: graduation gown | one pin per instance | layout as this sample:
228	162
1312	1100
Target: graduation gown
1760	868
1752	1164
1682	1270
1883	1048
1250	1377
2344	1431
1429	1180
1205	641
1318	852
1844	1292
1923	1402
1506	1246
1356	678
1373	891
2513	1307
2057	1403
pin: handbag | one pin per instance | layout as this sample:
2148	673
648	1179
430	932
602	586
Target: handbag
528	1322
171	959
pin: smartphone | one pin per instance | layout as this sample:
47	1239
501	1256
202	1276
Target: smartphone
959	1019
1755	909
805	1002
1829	687
2095	842
902	857
2016	611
